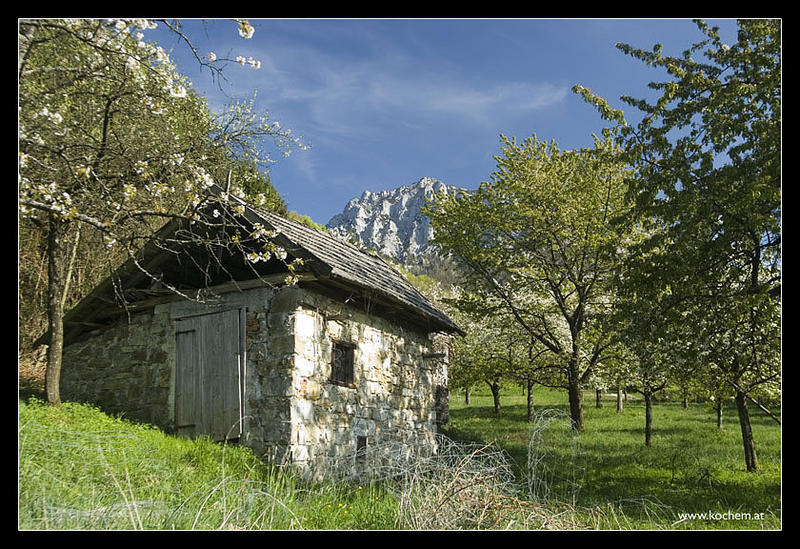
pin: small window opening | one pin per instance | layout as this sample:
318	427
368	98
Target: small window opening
361	449
442	405
342	363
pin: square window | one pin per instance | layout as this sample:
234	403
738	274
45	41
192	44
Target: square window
342	363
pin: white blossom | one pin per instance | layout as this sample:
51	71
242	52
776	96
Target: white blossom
178	91
144	24
255	257
132	63
161	55
259	231
246	30
202	177
54	117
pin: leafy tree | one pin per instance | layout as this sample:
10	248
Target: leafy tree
481	357
707	159
113	139
538	244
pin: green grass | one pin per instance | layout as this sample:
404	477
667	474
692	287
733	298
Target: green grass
691	466
82	469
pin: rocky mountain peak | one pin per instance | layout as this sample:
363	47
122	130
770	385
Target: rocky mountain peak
391	221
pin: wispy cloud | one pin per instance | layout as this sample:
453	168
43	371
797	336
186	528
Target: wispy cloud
347	97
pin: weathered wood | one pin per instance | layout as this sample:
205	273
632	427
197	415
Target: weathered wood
186	388
227	287
209	375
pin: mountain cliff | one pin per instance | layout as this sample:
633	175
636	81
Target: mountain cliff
391	221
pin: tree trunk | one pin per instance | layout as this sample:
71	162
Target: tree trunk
575	403
719	406
648	418
55	309
466	396
620	404
598	398
750	458
530	400
495	387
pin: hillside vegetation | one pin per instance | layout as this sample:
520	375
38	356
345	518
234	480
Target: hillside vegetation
82	469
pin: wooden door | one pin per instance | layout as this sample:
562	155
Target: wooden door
210	374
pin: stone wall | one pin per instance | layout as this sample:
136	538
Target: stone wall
125	368
390	406
294	413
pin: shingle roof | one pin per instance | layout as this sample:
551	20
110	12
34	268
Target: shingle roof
354	266
328	257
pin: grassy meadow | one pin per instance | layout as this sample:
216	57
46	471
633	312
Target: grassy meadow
690	467
82	469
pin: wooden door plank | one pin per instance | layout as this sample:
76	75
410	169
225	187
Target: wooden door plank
209	388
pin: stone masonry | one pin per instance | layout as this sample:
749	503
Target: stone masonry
293	413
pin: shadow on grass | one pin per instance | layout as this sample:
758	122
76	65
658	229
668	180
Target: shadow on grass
31	389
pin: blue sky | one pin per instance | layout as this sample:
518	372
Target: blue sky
385	102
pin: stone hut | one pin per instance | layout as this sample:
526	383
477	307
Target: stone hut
344	371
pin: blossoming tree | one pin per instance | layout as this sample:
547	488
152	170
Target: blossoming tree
539	242
112	138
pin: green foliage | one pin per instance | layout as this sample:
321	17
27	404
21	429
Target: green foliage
707	169
539	244
706	190
305	220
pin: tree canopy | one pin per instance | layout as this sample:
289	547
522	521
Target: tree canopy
539	243
706	159
114	139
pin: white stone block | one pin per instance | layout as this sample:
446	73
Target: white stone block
305	324
302	410
304	366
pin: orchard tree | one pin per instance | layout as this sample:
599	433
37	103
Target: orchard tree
707	166
539	242
112	139
619	370
498	349
486	354
739	346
